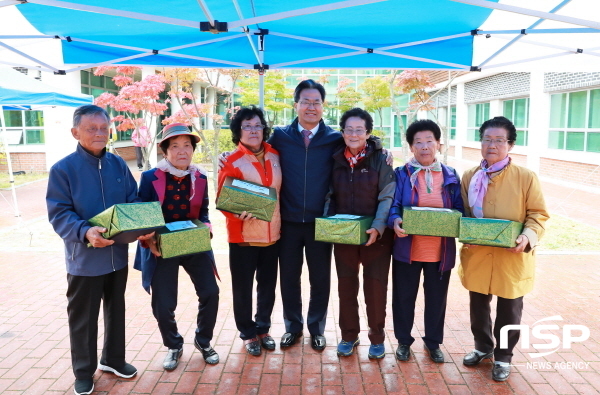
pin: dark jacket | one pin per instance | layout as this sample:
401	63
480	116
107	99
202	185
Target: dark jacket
407	196
79	187
366	189
152	189
306	170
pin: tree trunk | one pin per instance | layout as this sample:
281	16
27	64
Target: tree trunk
215	156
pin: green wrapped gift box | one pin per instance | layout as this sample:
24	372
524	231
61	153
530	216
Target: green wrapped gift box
343	229
489	232
238	196
126	221
180	238
429	221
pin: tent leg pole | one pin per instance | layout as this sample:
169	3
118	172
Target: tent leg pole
261	90
11	177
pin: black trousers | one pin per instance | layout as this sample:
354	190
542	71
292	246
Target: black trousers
139	156
508	312
407	278
375	261
84	295
244	263
297	239
164	297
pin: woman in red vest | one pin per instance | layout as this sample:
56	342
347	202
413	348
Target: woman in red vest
181	189
253	247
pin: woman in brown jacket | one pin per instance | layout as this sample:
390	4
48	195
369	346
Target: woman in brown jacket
500	189
362	184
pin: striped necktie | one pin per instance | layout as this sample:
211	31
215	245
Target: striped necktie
306	135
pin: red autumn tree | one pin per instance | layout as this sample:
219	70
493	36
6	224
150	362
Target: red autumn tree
138	102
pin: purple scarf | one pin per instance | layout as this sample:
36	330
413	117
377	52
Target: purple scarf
479	184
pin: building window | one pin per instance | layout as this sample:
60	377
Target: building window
24	127
518	112
440	116
478	114
575	121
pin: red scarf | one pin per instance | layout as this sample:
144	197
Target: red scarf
354	159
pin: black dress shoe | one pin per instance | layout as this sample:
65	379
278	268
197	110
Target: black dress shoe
500	373
473	358
267	342
289	338
318	342
403	352
253	347
435	354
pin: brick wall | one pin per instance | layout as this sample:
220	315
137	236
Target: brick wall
472	154
570	171
566	81
451	150
499	86
520	160
26	161
127	153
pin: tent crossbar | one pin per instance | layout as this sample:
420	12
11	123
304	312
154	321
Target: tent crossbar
9	3
563	48
556	55
426	60
206	12
254	49
431	40
113	61
105	44
41	68
114	12
314	40
517	38
540	31
200	43
23	54
301	11
179	55
342	55
4	37
526	11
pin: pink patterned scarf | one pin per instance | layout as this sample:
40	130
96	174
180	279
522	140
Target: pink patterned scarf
479	184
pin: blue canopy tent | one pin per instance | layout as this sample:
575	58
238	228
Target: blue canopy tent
278	34
18	92
275	34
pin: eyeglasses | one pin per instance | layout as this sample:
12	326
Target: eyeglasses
308	104
495	141
250	128
97	131
355	132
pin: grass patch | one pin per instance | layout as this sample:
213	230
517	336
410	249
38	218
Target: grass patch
21	179
565	234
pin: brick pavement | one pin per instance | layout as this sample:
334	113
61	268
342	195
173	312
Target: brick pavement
35	359
34	344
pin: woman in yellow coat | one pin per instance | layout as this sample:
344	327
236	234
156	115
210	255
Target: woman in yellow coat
500	189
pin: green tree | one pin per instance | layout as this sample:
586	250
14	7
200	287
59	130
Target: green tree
348	96
377	95
276	93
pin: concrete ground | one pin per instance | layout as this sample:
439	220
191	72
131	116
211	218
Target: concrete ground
34	344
